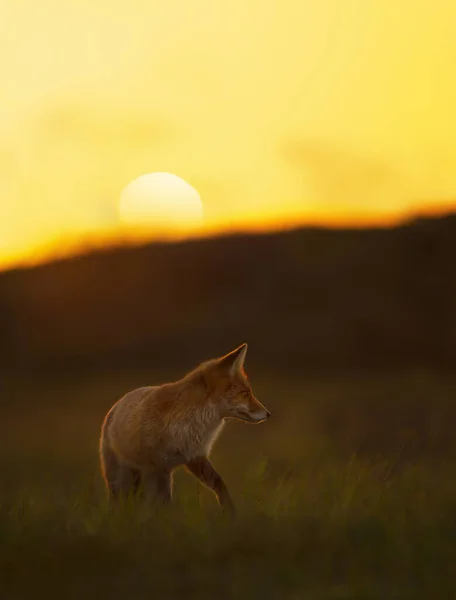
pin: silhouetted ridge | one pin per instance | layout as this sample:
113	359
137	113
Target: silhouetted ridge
306	299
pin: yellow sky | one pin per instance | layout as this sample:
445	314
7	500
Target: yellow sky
277	112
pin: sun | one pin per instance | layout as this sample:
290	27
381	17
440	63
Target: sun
161	203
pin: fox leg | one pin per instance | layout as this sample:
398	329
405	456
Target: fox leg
119	477
128	480
158	485
203	470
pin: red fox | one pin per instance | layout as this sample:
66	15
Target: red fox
153	430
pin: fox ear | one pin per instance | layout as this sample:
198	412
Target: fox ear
235	359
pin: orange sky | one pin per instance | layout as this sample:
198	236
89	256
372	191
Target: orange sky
276	112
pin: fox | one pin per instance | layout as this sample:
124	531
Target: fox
151	431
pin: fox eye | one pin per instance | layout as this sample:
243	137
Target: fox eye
245	393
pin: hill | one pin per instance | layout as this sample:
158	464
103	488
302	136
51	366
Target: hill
308	299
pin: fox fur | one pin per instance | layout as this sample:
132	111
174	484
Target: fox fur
151	431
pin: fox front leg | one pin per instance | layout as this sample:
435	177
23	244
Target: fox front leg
202	469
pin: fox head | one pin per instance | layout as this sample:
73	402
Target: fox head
233	391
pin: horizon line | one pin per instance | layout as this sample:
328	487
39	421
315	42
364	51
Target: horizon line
48	253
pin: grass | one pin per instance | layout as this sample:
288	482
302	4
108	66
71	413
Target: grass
332	503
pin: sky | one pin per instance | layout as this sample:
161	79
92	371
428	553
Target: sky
279	113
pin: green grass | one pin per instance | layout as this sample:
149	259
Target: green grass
335	500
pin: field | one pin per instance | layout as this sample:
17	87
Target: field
348	491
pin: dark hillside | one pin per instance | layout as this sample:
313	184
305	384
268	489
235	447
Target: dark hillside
310	299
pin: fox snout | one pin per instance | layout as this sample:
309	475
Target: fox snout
259	416
266	415
254	412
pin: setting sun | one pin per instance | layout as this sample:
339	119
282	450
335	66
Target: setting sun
161	203
319	114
